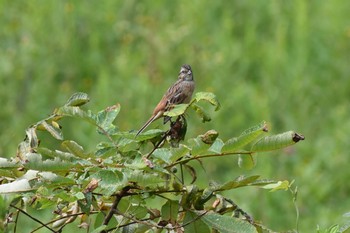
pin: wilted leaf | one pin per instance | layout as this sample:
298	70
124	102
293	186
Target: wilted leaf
55	132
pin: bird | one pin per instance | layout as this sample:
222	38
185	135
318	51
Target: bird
179	93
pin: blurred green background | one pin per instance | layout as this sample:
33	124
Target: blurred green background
286	62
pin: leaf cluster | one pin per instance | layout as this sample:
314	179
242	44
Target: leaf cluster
123	186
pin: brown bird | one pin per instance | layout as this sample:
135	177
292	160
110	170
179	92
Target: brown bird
180	92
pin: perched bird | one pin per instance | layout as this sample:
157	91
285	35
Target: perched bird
180	92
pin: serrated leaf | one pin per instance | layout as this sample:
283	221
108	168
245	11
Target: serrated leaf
209	97
109	181
16	186
276	142
226	224
35	162
65	156
55	132
196	224
145	179
162	154
78	99
249	135
75	149
238	182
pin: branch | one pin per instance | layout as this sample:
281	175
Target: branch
113	209
207	156
31	217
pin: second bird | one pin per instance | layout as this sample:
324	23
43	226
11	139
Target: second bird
179	93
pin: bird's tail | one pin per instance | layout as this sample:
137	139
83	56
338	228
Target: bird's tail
146	124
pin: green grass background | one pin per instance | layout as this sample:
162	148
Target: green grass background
286	62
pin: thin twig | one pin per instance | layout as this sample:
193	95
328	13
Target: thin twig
206	156
158	144
31	217
63	217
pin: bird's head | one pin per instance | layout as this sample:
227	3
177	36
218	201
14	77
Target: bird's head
186	73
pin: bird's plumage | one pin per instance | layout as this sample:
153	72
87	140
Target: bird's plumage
180	92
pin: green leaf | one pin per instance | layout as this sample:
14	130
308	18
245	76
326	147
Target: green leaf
238	182
78	99
148	135
72	111
65	156
249	135
246	161
276	142
217	146
177	153
209	97
177	110
144	179
163	154
55	132
198	146
109	181
201	113
280	185
196	224
35	162
99	229
170	210
16	186
76	149
169	155
226	224
106	117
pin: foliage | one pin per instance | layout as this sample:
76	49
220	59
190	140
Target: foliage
285	61
112	188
